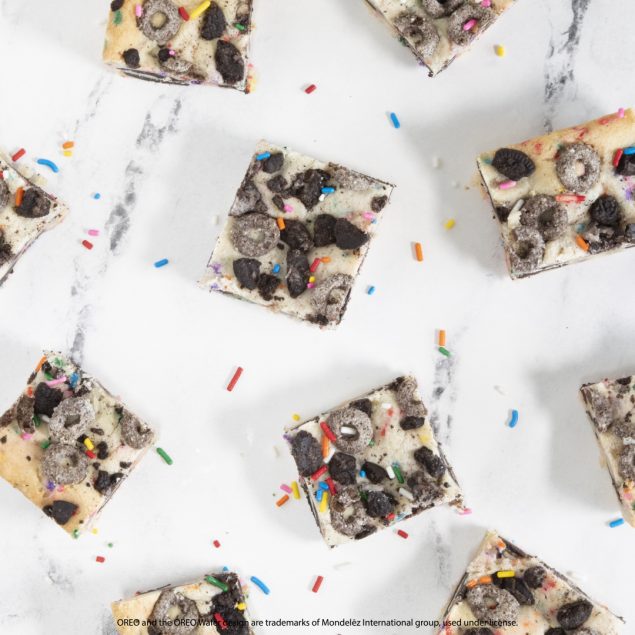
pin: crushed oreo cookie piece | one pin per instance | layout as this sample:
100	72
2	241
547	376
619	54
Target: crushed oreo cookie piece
267	286
213	24
102	450
131	58
365	405
626	165
171	604
626	463
374	473
606	210
420	32
349	236
378	203
330	296
296	235
247	271
424	489
64	464
165	14
5	248
273	163
513	164
568	163
489	602
5	194
34	204
441	8
324	230
574	614
60	511
520	590
379	504
248	199
307	186
24	412
229	62
46	399
278	184
307	452
502	213
433	463
534	577
134	432
105	481
342	467
298	272
254	234
348	516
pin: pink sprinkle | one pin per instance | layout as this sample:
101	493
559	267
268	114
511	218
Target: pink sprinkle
628	496
310	285
507	185
138	10
67	394
466	512
369	215
172	52
286	488
620	113
93	232
469	25
486	3
55	382
288	208
26	436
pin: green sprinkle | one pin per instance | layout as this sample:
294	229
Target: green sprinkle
363	495
165	456
118	17
36	421
48	376
239	26
371	443
58	362
75	533
45	444
110	545
444	351
221	585
398	474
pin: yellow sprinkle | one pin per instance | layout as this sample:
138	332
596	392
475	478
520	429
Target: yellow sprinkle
89	444
312	279
296	417
296	490
449	224
505	574
68	153
424	437
499	49
324	502
201	7
94	530
241	606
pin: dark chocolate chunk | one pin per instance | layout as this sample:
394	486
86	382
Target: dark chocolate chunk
213	24
433	463
378	203
629	233
104	481
324	230
60	511
267	285
164	54
34	204
46	399
229	62
502	213
626	165
132	59
273	163
379	504
368	531
556	630
342	468
574	614
513	164
349	236
365	405
519	589
411	423
307	452
3	439
296	235
307	186
605	210
124	465
102	450
115	5
278	201
534	577
277	184
247	271
374	473
298	272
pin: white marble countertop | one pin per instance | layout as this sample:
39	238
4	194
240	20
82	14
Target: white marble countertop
166	160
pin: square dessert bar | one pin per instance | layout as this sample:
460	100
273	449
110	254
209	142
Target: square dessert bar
372	462
193	43
214	605
297	234
26	211
611	408
565	196
67	443
438	31
509	592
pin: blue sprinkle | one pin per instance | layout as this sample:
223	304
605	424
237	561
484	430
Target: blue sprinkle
161	263
362	474
395	121
72	380
328	190
96	196
514	420
50	164
323	486
629	150
319	495
371	290
276	268
617	522
263	156
225	568
260	584
487	161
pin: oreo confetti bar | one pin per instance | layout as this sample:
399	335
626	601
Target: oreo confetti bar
438	31
383	464
297	234
192	43
508	592
611	408
215	605
26	211
67	443
565	196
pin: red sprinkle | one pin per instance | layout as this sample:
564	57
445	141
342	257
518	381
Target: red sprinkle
90	454
316	475
19	154
327	431
234	379
617	156
220	621
87	244
100	559
570	198
402	533
318	584
216	544
309	89
331	484
184	14
315	264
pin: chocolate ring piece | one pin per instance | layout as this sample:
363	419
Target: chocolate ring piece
134	432
440	8
527	250
578	167
489	602
183	623
420	33
4	194
627	463
410	405
484	16
546	215
71	419
348	515
160	20
254	234
361	429
64	464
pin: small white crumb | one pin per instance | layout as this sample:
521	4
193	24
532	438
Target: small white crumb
436	163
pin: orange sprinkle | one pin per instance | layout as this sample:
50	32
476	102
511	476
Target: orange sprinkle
441	337
280	222
40	363
326	445
68	144
486	579
583	244
19	195
280	502
419	252
471	584
326	259
29	391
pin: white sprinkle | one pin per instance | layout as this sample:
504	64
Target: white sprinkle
348	431
391	472
322	197
386	406
342	565
404	492
519	205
